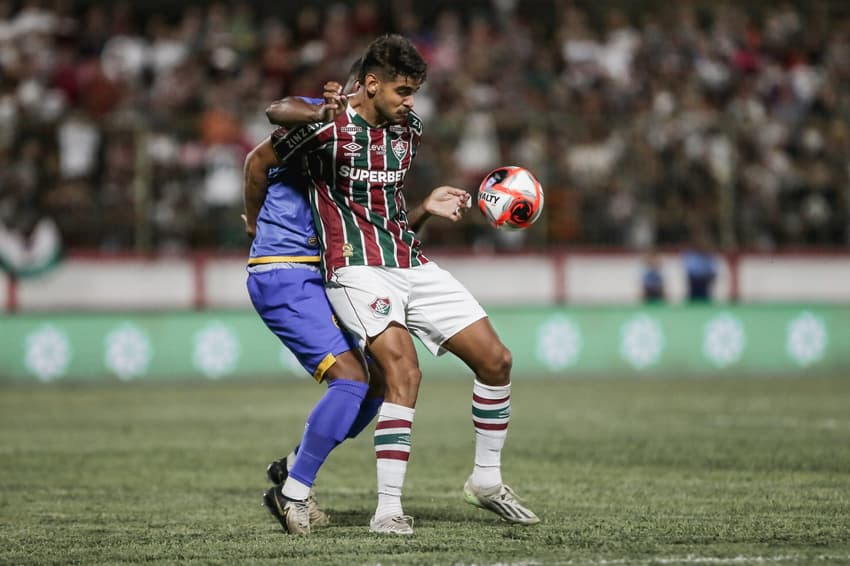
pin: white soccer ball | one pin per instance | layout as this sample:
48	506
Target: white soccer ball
510	198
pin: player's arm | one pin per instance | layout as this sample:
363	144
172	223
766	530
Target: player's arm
445	201
296	111
256	184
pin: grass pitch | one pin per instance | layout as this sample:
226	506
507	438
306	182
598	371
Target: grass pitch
620	472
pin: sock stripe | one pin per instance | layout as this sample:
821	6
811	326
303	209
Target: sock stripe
402	438
393	423
490	426
486	401
496	414
392	455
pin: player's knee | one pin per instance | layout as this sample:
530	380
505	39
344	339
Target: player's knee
496	369
348	365
407	377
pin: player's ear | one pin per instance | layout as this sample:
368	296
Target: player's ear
372	83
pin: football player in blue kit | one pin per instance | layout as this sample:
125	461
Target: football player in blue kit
287	290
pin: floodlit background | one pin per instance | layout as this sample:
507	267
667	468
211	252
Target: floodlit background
127	123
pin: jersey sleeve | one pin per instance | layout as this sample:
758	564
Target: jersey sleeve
414	122
297	142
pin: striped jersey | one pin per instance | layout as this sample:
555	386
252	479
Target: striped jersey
357	172
285	229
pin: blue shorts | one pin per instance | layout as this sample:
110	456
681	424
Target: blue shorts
293	304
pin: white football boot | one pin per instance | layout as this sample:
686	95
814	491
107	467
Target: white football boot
393	525
501	500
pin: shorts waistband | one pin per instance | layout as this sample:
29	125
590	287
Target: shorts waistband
263	267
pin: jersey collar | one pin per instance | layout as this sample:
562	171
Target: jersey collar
356	118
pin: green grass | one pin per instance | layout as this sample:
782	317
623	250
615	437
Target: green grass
621	471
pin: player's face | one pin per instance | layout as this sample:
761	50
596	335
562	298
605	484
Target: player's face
394	98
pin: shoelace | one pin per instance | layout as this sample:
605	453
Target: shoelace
313	507
304	508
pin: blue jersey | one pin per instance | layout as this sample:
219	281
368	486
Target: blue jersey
285	229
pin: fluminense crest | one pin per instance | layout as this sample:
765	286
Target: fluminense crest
381	306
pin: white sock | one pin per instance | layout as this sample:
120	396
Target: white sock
392	450
290	460
491	413
294	489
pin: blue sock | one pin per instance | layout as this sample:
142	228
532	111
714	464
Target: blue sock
327	425
368	409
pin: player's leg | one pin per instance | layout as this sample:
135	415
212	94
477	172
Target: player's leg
371	303
329	422
446	317
395	349
480	348
278	470
372	402
293	305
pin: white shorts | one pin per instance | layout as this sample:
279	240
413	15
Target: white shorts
426	300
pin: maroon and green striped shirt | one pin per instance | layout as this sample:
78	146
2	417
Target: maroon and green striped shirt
357	172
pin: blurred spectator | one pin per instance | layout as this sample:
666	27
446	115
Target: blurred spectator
700	270
652	282
640	119
29	241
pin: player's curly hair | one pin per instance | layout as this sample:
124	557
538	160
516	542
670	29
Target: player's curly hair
393	55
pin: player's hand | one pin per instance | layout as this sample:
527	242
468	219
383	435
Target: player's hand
251	230
448	202
335	101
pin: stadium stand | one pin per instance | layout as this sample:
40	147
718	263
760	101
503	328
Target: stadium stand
127	124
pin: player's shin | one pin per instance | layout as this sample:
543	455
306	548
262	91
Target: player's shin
368	409
392	450
491	413
327	426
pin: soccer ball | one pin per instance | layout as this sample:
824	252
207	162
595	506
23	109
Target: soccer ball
510	198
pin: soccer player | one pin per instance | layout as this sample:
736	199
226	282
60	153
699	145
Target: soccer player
286	288
382	287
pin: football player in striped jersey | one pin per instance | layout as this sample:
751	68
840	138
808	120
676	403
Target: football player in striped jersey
383	288
286	288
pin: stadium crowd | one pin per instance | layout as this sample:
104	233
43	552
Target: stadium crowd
648	127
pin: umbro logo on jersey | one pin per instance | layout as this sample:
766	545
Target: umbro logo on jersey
352	146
